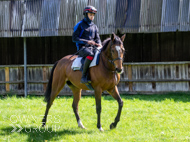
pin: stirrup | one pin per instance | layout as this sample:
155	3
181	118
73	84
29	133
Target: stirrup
89	81
85	80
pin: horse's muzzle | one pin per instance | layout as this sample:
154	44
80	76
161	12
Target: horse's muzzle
119	70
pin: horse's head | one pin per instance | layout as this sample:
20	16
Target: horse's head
117	51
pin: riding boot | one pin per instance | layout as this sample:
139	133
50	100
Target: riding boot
84	78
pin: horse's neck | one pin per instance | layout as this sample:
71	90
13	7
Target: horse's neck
106	56
109	70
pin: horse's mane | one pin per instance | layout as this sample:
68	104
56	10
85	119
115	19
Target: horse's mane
105	43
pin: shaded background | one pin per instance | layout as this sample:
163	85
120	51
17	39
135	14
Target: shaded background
150	47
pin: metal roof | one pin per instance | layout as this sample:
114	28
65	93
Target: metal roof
32	18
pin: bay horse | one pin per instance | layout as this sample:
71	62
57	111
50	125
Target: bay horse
104	77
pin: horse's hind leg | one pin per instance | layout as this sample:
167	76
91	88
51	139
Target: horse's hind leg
56	88
46	113
49	104
76	99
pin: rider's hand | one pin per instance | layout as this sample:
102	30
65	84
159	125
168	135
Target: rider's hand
98	45
91	42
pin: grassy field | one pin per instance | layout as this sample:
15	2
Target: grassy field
148	118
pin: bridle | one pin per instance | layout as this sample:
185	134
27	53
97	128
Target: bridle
112	60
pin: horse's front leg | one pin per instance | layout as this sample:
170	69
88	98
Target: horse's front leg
98	94
115	94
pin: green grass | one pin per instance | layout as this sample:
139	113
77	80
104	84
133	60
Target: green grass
144	118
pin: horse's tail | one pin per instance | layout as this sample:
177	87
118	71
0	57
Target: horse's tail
48	89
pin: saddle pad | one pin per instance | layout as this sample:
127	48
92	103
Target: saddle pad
77	62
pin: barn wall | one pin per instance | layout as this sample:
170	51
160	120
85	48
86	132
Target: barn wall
37	18
152	47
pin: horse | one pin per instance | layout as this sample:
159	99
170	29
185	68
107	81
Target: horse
104	77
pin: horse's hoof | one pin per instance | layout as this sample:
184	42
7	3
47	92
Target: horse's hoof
80	125
43	124
101	130
112	126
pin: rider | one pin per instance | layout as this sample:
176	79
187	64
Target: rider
86	36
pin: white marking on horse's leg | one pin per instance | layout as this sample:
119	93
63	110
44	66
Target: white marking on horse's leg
81	125
101	130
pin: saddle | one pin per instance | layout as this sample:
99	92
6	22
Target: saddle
79	62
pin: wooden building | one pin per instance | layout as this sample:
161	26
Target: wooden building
157	41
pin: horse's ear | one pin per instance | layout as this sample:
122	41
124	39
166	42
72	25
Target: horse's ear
123	38
113	36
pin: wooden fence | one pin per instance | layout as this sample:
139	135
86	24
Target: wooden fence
137	77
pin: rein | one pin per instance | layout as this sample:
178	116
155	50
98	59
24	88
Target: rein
107	67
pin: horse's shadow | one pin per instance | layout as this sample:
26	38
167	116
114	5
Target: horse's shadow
41	134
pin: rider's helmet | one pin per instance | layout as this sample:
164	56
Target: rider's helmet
89	9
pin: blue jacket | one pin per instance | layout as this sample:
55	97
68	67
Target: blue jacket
84	31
